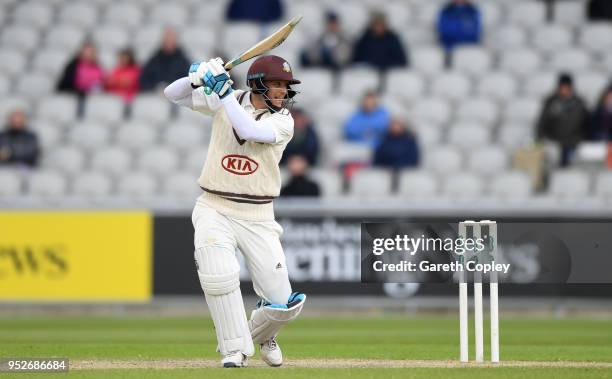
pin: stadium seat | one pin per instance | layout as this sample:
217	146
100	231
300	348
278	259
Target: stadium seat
169	14
491	13
540	84
570	60
371	183
9	104
462	186
488	160
195	158
478	109
431	109
520	62
92	184
238	36
67	159
405	85
150	108
551	38
467	136
506	37
497	85
471	60
417	184
524	110
180	185
354	82
511	185
5	85
124	15
67	38
49	135
569	12
111	160
603	185
428	60
60	108
51	61
35	85
110	37
104	108
344	152
146	41
444	160
38	15
316	84
329	181
47	184
136	136
428	135
335	112
198	41
12	183
12	61
89	136
512	138
451	85
20	37
399	15
596	37
82	15
426	12
159	160
590	85
137	184
355	12
184	136
527	13
569	184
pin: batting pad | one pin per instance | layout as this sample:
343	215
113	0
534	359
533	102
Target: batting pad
267	319
218	270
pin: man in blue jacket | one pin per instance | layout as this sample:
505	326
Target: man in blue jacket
459	23
379	46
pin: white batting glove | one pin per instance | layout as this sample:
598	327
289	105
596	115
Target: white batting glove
196	72
217	78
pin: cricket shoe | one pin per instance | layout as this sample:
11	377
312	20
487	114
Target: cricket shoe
234	359
271	352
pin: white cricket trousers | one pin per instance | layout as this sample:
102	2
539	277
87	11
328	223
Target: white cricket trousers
259	242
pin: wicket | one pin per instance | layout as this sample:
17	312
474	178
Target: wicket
487	230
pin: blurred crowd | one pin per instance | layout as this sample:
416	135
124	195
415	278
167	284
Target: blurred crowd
564	118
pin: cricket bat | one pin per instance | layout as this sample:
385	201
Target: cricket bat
266	44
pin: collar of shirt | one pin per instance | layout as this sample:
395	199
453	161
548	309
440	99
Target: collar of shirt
249	107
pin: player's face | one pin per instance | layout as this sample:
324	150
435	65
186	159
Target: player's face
277	91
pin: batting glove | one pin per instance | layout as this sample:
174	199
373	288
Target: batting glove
217	79
196	72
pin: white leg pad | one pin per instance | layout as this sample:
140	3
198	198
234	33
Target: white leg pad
267	320
218	270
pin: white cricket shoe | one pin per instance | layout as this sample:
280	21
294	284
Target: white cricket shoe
271	353
234	359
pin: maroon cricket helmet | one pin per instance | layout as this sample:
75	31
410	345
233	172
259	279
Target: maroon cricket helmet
271	67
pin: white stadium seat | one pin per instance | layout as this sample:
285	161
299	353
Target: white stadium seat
463	186
111	160
5	85
12	61
570	60
603	185
596	37
451	85
136	136
590	85
511	185
540	84
12	182
35	85
471	60
444	160
61	108
67	159
169	14
195	158
49	135
104	108
137	184
551	38
198	41
181	185
506	37
89	136
65	37
159	160
479	109
498	86
569	12
417	184
110	37
354	82
371	183
488	160
38	15
51	61
520	61
236	37
184	136
512	138
468	135
316	83
428	135
329	180
92	184
47	184
429	60
126	15
491	13
405	85
83	14
527	13
20	37
344	152
569	184
146	41
524	110
151	108
431	109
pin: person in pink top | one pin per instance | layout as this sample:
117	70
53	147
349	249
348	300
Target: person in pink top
124	78
83	74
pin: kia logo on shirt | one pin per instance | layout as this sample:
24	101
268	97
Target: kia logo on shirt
239	164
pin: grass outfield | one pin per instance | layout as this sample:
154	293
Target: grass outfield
320	347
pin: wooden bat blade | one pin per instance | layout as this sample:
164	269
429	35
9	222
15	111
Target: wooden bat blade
266	44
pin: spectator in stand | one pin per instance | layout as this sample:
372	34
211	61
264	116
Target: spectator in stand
331	50
262	11
564	118
305	141
369	123
458	24
166	65
601	120
18	145
124	79
299	184
398	149
83	74
379	46
599	10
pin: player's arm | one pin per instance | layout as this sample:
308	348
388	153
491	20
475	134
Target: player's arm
246	127
189	92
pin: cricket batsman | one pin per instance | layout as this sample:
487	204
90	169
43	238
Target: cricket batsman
240	179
